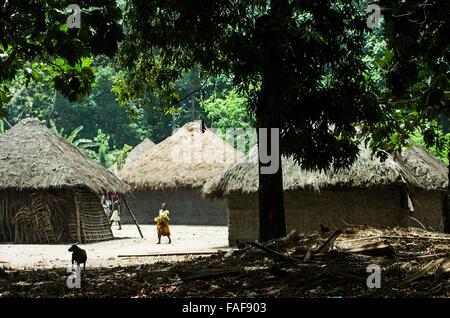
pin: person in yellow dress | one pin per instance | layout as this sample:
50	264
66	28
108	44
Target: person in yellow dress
162	223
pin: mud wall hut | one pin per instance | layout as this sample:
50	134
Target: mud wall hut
174	172
401	191
49	189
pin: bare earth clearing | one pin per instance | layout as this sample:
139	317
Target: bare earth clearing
185	239
412	263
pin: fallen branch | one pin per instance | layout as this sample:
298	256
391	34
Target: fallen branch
374	249
368	238
308	255
406	237
273	253
413	256
325	246
444	270
433	265
168	254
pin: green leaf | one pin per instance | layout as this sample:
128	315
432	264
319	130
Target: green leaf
64	27
74	134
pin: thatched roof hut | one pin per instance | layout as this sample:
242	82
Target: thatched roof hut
174	171
188	158
138	151
49	189
370	192
413	168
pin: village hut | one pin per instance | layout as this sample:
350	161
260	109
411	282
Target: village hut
174	172
403	190
49	189
137	152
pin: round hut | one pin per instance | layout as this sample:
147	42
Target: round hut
138	151
174	171
403	190
49	189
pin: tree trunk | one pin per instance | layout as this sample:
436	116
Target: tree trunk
272	222
446	205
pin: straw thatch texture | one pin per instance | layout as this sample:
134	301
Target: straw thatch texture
415	168
188	158
49	189
34	157
430	171
138	151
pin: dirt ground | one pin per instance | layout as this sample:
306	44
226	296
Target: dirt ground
406	262
185	239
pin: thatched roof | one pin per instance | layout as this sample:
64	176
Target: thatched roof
415	168
188	158
34	157
138	151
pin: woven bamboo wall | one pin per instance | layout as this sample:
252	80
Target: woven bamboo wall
94	222
49	217
6	224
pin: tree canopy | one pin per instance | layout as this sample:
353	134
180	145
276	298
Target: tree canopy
34	37
323	89
416	70
312	69
300	64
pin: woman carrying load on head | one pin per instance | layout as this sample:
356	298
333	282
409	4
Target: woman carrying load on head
162	223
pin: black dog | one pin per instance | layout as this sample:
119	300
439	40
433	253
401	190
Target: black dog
78	255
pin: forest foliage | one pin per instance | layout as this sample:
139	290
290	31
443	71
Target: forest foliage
86	85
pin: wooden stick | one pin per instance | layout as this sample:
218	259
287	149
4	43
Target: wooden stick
169	254
77	210
407	237
361	239
325	246
444	270
375	249
412	256
132	215
273	253
431	266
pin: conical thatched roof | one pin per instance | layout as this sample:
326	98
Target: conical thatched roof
188	158
415	167
34	157
138	151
